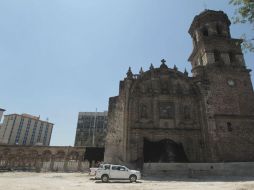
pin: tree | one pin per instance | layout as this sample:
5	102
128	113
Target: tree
244	13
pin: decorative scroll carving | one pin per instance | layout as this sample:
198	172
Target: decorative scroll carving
167	110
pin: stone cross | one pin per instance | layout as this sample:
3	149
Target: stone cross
163	61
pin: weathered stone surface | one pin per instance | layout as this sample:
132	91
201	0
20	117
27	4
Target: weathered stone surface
207	118
42	158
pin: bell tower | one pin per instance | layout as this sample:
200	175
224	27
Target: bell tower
219	71
212	42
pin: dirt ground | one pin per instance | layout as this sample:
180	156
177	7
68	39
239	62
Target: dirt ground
78	181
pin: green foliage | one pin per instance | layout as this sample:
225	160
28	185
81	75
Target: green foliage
244	13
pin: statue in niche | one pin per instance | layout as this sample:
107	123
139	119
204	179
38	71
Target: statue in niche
166	110
179	89
143	111
164	87
149	88
142	89
138	90
186	112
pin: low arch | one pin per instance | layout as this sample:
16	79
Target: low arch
165	151
46	155
74	155
60	155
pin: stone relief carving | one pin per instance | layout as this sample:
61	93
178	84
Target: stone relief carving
143	111
167	110
164	87
187	112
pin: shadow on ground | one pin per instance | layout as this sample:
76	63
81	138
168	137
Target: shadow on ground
113	181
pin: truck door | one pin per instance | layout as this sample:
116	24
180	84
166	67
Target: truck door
118	172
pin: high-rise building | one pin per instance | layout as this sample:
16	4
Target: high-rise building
25	129
1	113
91	129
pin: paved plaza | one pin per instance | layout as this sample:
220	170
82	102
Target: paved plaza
78	181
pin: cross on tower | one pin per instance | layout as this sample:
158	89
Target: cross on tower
163	61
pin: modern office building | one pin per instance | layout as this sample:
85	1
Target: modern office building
25	129
91	129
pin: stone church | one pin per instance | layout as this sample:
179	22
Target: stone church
164	115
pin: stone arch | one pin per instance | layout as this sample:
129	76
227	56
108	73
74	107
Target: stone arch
46	155
74	155
5	153
4	157
205	31
20	157
60	155
20	151
165	150
33	153
32	157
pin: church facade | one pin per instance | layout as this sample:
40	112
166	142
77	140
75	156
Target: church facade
164	115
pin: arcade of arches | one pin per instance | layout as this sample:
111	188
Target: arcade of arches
36	157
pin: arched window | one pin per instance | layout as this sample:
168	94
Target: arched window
194	40
218	28
232	57
205	31
229	125
216	55
46	155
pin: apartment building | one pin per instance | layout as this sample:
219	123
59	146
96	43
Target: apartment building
25	129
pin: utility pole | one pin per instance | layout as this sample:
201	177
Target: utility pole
94	125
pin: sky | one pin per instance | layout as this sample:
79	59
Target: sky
61	57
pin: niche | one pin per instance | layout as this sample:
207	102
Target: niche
218	29
229	126
205	31
216	55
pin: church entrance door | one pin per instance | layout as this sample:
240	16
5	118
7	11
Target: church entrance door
164	151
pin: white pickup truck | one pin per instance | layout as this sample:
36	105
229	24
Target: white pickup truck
116	172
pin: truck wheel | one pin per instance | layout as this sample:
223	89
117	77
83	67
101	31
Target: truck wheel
133	178
104	178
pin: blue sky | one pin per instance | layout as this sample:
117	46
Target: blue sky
60	57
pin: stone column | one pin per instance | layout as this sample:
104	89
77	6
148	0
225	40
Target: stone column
65	167
80	164
52	160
